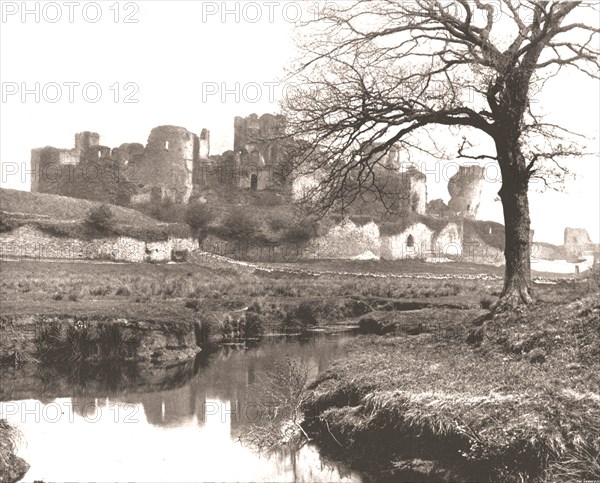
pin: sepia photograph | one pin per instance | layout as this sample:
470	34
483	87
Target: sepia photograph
300	241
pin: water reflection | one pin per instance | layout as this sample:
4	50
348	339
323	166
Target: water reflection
188	433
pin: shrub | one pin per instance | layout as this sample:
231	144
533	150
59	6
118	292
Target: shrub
299	233
101	218
300	317
282	394
486	302
251	325
240	224
122	290
209	329
166	210
198	216
100	290
194	304
279	221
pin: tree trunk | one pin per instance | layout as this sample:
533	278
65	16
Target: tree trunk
517	249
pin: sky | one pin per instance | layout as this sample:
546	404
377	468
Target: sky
122	68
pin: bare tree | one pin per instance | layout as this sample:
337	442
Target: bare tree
379	75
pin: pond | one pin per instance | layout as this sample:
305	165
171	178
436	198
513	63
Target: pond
190	429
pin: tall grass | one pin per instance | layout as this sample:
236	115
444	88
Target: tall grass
72	344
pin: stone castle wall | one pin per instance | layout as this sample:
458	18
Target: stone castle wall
28	242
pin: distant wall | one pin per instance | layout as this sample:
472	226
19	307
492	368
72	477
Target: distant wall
30	242
349	240
346	240
448	241
562	266
413	242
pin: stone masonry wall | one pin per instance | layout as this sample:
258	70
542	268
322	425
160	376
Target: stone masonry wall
30	242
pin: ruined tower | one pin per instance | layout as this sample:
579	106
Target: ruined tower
167	165
465	189
577	240
50	166
413	191
257	149
85	140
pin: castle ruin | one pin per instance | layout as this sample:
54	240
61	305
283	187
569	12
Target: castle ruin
177	164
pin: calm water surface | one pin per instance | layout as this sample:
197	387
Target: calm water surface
191	433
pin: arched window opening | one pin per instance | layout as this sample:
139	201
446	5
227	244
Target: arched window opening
410	241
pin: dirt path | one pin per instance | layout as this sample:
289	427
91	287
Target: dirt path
200	256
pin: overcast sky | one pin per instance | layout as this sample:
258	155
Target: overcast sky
196	65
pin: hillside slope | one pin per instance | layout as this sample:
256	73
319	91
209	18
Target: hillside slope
66	216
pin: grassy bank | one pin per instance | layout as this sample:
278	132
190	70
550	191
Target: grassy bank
63	216
210	291
521	402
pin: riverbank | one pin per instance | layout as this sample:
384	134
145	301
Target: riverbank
514	398
163	312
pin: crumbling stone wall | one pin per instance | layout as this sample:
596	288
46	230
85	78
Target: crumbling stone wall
346	240
129	154
164	168
32	243
465	189
88	171
414	242
448	241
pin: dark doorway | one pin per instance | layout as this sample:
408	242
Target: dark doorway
253	182
410	241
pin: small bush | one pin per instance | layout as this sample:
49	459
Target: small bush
252	325
300	318
198	216
122	290
194	304
100	290
537	356
299	234
57	296
487	302
241	225
166	211
209	329
101	218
